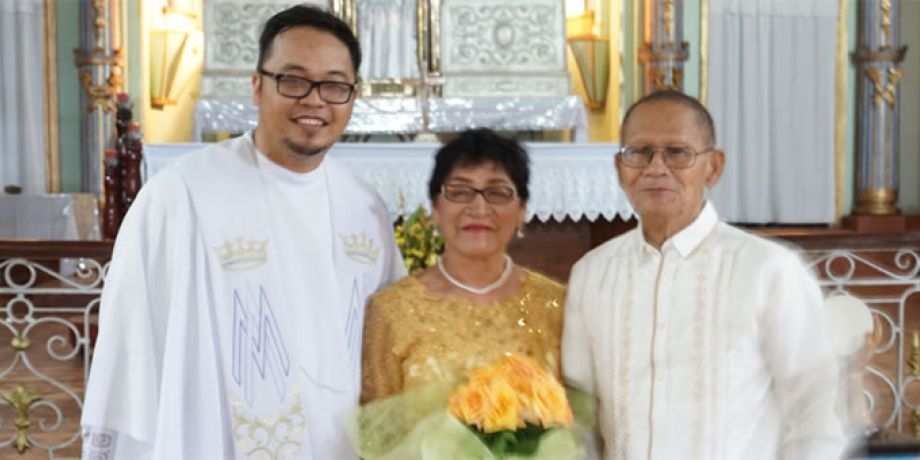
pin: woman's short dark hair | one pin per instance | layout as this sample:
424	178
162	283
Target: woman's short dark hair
475	147
308	16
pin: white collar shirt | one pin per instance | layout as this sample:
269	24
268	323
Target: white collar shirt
711	348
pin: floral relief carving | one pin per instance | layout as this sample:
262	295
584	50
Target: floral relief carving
525	36
232	30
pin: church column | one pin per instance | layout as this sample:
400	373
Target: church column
99	63
663	51
877	58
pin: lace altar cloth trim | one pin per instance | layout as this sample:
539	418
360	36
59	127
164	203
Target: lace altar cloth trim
567	180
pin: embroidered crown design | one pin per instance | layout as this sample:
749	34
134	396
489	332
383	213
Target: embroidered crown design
360	248
240	254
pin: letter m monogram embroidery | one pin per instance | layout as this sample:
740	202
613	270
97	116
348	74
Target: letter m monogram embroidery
259	353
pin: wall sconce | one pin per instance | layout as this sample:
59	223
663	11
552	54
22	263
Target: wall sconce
593	59
170	66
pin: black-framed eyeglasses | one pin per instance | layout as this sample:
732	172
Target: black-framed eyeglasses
294	87
674	156
493	194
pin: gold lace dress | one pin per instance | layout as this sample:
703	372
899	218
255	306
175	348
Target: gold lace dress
413	336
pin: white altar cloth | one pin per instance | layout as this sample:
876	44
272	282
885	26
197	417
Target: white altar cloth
572	181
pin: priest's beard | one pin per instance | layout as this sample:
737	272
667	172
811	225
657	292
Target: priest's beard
303	150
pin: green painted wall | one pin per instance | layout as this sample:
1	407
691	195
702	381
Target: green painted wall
909	193
69	90
68	39
132	37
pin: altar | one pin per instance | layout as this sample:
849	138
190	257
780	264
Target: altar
407	116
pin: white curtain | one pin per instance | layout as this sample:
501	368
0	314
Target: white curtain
771	93
22	143
386	30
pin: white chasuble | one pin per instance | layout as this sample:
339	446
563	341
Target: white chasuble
711	348
230	324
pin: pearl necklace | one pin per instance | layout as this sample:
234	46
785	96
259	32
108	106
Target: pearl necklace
502	279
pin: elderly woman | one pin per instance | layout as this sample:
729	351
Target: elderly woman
475	305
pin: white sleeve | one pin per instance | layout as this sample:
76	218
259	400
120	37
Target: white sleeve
122	394
799	357
393	267
577	354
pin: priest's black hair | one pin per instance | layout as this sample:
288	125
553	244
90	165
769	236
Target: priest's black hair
308	16
475	147
669	95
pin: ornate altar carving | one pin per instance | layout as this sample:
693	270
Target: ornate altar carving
429	65
514	48
232	30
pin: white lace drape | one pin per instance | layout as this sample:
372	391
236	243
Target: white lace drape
22	143
574	181
772	96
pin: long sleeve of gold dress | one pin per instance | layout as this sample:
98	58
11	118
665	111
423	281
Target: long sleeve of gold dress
413	336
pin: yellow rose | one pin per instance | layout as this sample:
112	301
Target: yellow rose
550	405
503	409
468	405
521	373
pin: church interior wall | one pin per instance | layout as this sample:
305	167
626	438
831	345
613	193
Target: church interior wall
68	86
174	123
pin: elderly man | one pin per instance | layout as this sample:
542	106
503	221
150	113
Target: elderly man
700	341
231	317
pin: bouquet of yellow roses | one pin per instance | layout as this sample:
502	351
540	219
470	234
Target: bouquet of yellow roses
512	410
511	404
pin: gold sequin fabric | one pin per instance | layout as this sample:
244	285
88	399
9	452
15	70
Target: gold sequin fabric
413	336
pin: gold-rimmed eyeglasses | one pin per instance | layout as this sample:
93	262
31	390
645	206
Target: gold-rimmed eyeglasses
674	156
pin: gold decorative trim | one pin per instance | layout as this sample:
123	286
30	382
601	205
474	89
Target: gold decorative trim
915	419
422	51
669	19
913	361
840	108
21	399
704	50
102	96
884	92
20	343
99	23
885	5
434	9
887	54
877	202
52	129
390	88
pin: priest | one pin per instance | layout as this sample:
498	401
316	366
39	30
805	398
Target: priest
231	319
